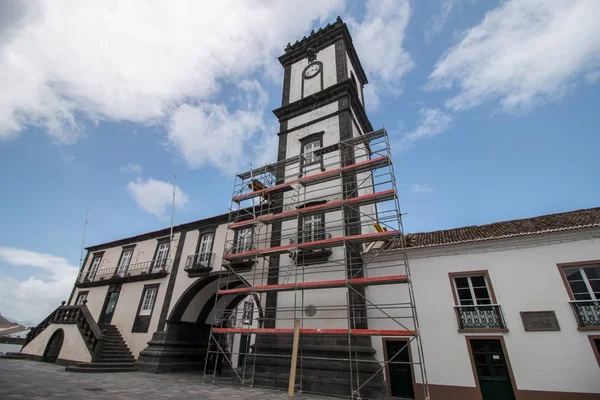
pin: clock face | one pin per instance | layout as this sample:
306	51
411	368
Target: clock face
312	70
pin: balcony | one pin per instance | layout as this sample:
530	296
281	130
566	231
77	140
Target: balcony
481	317
243	264
307	255
199	264
130	273
587	313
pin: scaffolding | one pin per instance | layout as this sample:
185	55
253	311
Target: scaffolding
332	212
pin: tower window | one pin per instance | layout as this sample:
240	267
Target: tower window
310	146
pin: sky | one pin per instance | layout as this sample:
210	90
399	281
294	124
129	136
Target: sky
491	106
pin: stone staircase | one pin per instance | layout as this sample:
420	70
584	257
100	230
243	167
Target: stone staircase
114	356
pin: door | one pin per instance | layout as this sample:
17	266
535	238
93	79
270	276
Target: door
109	304
492	370
400	380
53	347
244	348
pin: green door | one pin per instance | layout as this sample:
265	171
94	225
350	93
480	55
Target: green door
244	348
400	371
492	370
109	304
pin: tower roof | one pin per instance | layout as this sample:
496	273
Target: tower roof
320	39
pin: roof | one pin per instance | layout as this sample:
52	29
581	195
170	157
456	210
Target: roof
566	221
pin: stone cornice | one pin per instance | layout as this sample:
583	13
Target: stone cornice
320	39
327	96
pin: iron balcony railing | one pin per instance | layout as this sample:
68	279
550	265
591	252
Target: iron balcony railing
480	317
587	312
200	260
125	271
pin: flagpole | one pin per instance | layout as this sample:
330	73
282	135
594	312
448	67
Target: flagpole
172	211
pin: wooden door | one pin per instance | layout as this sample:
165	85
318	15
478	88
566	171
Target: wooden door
400	379
492	370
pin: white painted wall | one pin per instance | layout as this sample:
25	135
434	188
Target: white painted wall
73	347
524	279
327	57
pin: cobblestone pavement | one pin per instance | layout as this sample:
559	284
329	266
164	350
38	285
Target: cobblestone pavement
22	379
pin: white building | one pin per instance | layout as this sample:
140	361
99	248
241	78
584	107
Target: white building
503	308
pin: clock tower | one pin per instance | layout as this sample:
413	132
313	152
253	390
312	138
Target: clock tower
322	107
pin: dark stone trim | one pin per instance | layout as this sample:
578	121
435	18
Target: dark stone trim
141	323
304	77
198	272
126	279
287	81
218	219
324	37
78	277
171	285
340	90
210	304
81	293
188	296
314	121
341	65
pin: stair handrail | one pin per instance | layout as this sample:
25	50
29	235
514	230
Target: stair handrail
79	315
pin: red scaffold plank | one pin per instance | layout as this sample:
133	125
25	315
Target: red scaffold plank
376	280
317	331
318	244
312	179
354	201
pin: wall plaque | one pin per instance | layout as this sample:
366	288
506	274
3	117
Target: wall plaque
539	321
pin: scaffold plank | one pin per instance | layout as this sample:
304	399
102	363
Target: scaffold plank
318	331
371	281
318	244
334	205
316	178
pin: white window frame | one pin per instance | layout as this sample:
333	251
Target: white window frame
311	227
148	300
586	281
472	290
205	247
308	151
94	267
244	240
162	254
125	261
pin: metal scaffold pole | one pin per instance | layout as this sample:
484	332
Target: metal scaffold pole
300	232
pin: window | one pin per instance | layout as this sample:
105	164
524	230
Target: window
472	290
248	312
584	282
148	299
474	300
243	241
308	151
205	248
81	296
595	342
94	267
313	228
125	261
162	252
309	145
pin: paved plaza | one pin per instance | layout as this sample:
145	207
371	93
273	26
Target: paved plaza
22	379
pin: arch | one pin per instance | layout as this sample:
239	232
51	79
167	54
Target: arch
195	288
54	346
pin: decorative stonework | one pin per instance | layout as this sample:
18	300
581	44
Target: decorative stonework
537	321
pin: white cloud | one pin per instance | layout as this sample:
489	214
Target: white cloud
155	197
132	168
521	54
592	78
437	22
211	134
422	187
378	40
123	61
34	298
433	122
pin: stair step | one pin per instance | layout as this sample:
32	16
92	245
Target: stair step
100	370
13	356
106	365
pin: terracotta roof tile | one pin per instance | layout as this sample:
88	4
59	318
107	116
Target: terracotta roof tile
572	220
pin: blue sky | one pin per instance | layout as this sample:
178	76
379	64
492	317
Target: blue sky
491	106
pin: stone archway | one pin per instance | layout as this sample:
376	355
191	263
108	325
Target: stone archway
54	346
182	345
